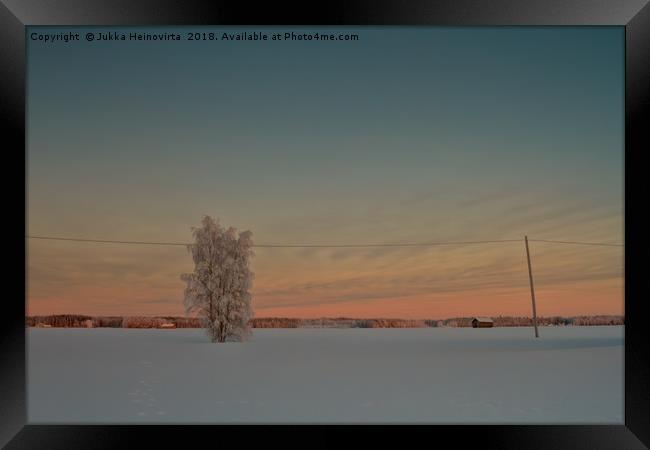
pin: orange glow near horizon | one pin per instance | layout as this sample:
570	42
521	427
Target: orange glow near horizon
550	302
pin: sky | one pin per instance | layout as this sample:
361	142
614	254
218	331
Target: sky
410	134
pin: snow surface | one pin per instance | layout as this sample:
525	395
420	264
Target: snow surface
421	375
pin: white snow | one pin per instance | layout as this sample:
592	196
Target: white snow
569	375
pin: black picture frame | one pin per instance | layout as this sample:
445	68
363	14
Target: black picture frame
634	15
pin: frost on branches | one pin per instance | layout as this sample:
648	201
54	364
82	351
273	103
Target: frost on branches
218	289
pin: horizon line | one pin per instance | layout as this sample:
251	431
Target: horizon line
329	317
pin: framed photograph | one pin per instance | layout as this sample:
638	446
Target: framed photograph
354	213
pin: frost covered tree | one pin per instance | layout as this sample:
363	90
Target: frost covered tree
218	289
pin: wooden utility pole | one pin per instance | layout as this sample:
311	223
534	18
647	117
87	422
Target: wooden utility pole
532	287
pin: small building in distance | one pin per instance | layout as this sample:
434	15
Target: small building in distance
43	325
168	325
482	322
88	323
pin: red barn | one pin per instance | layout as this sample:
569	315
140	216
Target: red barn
482	322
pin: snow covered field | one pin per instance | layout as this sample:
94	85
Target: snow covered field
426	375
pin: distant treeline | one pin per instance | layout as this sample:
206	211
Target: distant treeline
81	321
515	321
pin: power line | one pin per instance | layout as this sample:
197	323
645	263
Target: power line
417	244
50	238
421	244
577	243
